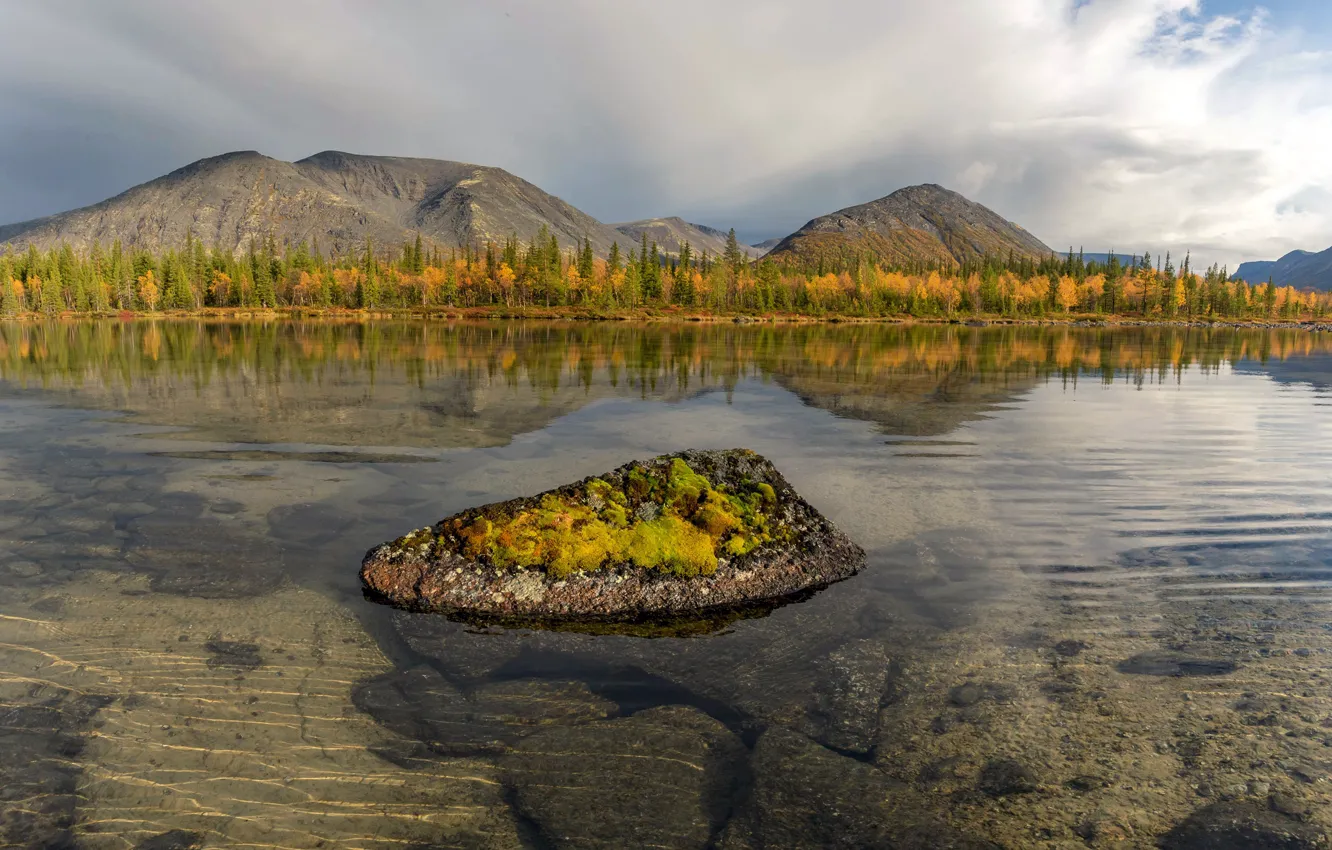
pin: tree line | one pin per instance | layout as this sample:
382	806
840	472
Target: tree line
542	273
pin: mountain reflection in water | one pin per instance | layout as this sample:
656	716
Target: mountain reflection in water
1095	611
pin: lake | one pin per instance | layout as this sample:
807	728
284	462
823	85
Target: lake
1095	610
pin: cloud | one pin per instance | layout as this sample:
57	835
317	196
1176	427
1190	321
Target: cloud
1132	124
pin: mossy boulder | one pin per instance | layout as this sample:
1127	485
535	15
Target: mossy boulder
685	533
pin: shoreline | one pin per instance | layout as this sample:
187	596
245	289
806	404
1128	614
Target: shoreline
667	316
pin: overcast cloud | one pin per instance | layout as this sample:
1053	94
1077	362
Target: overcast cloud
1124	124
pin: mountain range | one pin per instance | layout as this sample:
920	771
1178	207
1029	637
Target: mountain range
1300	269
340	200
926	222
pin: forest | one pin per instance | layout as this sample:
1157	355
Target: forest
542	274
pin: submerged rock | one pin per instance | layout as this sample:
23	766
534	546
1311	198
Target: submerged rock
209	561
853	685
806	796
665	777
1243	824
675	535
1173	664
1002	777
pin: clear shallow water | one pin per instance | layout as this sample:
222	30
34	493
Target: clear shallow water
1095	612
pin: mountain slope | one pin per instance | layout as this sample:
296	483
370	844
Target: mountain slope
1300	269
671	233
918	223
338	198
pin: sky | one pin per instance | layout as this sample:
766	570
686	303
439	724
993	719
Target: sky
1130	125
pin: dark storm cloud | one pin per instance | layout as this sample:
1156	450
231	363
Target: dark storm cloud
1144	123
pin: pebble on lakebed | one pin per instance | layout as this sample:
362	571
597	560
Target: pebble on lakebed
677	535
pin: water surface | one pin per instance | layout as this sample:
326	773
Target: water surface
1095	611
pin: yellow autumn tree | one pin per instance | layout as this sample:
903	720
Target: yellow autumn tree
1091	290
220	287
432	281
506	278
148	291
1066	294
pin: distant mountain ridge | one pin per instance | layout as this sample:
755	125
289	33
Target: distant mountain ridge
1300	269
926	222
671	233
1125	260
337	198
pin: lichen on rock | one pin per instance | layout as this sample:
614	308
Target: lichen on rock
681	532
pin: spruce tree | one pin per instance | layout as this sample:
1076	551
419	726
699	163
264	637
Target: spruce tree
178	295
261	270
79	289
367	292
732	255
652	276
586	260
52	299
9	305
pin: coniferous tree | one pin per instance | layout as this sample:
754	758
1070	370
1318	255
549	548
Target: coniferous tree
9	305
732	256
1114	284
121	277
178	294
652	275
52	299
261	271
80	289
683	292
633	281
367	290
586	260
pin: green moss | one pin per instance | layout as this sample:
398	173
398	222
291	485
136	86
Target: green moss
666	518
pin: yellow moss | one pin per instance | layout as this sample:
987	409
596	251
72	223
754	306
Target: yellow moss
672	545
716	520
615	515
676	523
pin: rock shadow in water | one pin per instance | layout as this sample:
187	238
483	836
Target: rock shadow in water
422	705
